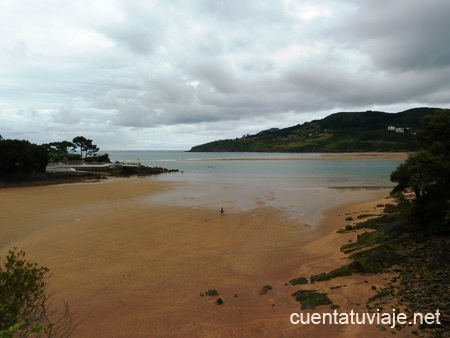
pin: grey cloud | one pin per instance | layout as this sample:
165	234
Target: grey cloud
365	88
210	46
257	65
140	30
233	11
216	73
218	65
169	90
401	35
66	116
170	114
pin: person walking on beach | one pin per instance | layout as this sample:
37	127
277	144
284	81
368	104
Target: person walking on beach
221	211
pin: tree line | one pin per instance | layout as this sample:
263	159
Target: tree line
426	173
24	157
67	151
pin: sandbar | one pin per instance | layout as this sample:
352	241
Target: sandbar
365	156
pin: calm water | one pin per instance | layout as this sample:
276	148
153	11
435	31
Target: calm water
211	167
302	189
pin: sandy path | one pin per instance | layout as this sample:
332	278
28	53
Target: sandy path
131	269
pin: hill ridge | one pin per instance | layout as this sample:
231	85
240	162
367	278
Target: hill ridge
338	132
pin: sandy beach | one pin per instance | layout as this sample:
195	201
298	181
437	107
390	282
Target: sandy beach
129	268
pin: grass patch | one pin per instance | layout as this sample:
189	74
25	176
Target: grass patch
309	299
380	295
344	270
298	281
375	260
365	240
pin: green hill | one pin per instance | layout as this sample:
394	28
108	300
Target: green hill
339	132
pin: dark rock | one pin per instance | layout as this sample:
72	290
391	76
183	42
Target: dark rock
265	289
219	301
212	292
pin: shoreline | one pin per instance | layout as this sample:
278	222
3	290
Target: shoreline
143	266
326	157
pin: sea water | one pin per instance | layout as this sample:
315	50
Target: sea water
301	185
292	170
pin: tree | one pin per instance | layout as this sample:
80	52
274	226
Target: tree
420	173
435	133
24	303
91	149
85	146
62	151
427	172
22	157
63	147
80	142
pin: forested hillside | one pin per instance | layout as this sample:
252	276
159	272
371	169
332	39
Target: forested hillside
340	132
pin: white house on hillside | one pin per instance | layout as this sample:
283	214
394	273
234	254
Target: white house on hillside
397	130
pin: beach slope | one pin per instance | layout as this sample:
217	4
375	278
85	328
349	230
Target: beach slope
129	268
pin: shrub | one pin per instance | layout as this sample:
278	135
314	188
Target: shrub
24	303
22	157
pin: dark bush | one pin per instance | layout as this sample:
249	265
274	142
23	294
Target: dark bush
22	157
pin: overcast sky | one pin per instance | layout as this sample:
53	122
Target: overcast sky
138	74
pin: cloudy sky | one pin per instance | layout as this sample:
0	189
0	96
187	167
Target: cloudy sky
142	74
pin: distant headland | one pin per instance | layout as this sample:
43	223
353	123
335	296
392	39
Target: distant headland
369	131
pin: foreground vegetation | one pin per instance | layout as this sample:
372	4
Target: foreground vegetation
427	174
25	306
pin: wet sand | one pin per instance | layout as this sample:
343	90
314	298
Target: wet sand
130	268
